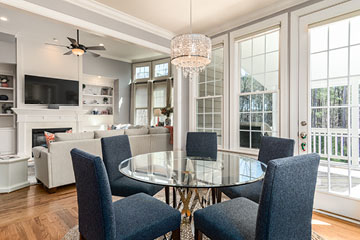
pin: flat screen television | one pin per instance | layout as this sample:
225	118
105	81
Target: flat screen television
45	90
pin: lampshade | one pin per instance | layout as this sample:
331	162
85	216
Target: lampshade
77	51
157	113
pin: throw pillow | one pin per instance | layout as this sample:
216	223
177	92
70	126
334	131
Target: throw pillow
50	137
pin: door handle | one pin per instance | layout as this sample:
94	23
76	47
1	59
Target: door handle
303	135
303	146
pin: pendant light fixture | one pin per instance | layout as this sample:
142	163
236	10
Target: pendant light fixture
191	52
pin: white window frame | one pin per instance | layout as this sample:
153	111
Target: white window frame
283	97
193	91
144	64
161	61
142	108
153	101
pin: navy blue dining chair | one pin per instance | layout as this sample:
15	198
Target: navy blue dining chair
201	144
270	148
115	150
284	211
139	216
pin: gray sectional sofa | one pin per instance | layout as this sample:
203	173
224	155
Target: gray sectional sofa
53	165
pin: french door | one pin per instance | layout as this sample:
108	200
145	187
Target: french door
329	95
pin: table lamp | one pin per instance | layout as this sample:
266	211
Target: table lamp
157	113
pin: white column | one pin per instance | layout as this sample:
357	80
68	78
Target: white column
181	110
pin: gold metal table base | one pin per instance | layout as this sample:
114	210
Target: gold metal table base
190	198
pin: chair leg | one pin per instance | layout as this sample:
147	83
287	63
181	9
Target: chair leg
176	234
174	197
218	195
198	234
213	194
167	195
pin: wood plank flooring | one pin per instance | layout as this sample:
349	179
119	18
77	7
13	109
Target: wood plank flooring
32	213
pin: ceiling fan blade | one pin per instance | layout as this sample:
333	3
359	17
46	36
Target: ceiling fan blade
68	53
98	48
73	41
94	54
57	45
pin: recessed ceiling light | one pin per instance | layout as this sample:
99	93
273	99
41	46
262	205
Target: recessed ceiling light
3	19
101	44
55	39
99	76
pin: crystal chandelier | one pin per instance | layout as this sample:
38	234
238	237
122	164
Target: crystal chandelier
191	52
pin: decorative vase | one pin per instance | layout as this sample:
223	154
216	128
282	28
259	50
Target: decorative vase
168	121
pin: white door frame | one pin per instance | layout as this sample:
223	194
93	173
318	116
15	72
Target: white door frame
342	205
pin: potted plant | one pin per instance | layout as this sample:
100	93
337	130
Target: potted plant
167	111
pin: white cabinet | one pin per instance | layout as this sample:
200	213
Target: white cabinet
13	173
8	141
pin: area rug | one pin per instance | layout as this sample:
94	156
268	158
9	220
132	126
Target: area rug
186	233
185	228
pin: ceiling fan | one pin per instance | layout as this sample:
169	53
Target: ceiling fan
78	49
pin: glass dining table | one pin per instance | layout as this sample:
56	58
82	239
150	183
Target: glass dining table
193	177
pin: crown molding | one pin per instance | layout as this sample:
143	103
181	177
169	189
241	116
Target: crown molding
261	13
120	16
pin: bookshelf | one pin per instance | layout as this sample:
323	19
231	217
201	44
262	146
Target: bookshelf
98	101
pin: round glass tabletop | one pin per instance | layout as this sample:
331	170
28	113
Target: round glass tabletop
175	169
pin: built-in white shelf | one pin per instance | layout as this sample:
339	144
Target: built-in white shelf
7	101
6	114
102	96
6	88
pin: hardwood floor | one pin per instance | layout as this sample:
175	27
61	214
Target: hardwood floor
32	213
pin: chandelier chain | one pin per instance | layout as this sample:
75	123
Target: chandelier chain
191	52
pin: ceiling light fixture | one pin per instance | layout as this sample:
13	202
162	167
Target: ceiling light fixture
101	44
191	52
4	19
77	51
55	40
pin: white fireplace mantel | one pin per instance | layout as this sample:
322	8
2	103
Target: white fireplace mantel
38	118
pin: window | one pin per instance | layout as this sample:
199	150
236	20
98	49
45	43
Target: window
159	100
141	104
161	69
210	92
334	97
141	71
258	58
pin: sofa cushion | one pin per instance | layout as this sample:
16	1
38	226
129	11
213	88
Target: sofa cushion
108	133
158	130
140	131
60	137
137	126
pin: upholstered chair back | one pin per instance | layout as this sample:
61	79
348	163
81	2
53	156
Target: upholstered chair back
274	148
286	202
96	213
201	144
115	150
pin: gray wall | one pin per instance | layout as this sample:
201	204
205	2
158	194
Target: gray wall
118	70
7	48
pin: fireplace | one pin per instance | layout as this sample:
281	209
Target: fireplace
38	136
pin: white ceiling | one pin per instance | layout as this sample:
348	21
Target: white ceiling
173	15
43	30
